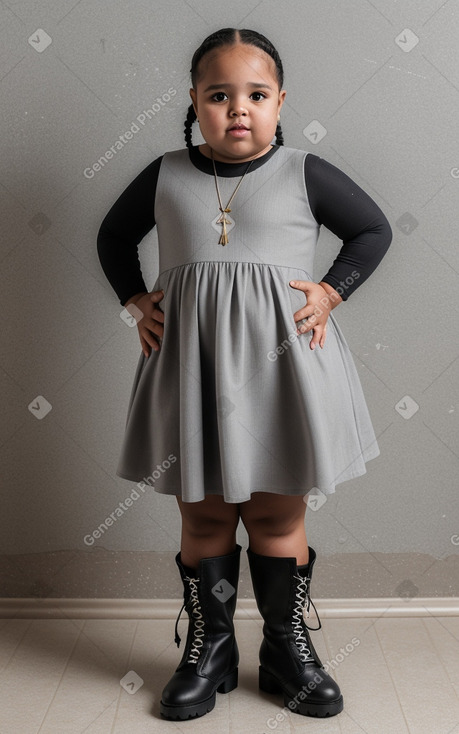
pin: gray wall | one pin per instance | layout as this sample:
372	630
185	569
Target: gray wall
390	110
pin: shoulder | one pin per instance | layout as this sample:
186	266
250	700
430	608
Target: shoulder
321	174
312	163
294	153
170	155
149	175
179	154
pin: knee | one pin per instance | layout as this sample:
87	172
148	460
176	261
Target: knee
209	526
272	524
264	525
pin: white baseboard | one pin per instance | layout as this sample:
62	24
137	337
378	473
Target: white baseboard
36	608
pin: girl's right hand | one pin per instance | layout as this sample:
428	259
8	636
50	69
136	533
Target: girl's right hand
152	321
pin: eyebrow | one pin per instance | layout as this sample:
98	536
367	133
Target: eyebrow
231	86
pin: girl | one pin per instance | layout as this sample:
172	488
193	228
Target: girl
234	409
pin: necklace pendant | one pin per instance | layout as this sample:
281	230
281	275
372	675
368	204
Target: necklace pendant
227	224
224	225
223	220
217	224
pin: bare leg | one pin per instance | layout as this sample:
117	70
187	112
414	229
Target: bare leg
208	529
275	524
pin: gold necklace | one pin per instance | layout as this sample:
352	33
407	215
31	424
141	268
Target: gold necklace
224	210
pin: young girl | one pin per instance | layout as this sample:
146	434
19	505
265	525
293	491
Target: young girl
246	396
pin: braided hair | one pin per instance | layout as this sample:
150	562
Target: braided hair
224	37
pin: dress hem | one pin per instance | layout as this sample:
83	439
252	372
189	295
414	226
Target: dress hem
327	492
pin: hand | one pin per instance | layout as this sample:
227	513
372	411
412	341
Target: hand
317	310
152	321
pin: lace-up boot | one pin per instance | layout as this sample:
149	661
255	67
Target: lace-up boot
211	656
288	660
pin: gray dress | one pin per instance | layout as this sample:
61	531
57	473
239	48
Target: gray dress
235	401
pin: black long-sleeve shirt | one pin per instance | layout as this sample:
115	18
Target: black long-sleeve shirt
335	200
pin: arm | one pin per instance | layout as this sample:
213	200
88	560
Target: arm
351	214
125	225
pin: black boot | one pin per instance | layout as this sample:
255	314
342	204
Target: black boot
288	661
211	656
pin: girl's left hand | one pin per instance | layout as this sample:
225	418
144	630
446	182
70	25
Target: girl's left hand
317	310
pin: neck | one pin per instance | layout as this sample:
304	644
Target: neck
207	151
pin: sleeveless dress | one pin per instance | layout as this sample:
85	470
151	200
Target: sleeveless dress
235	401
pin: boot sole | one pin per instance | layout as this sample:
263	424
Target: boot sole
269	684
227	684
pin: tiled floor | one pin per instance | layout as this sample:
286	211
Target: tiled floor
397	675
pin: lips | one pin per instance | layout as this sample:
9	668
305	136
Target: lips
239	126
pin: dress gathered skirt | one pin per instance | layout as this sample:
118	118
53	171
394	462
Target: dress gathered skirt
235	401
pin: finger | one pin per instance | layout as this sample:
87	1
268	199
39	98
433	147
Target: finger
150	312
148	324
303	313
302	285
155	327
157	296
323	336
317	337
150	339
311	323
144	346
158	314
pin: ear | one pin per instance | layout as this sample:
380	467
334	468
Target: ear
194	99
281	99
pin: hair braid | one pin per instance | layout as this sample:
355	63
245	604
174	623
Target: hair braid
279	135
190	118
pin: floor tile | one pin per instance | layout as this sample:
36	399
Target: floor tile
397	676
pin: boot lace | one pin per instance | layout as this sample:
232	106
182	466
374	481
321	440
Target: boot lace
197	621
301	612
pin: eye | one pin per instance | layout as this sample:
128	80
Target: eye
216	95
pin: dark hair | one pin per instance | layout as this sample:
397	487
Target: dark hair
224	37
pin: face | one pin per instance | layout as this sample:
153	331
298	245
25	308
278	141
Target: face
237	84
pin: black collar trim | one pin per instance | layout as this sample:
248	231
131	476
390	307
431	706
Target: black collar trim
205	165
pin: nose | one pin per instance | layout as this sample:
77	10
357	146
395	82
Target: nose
237	110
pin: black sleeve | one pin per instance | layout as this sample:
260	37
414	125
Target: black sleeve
125	225
351	214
